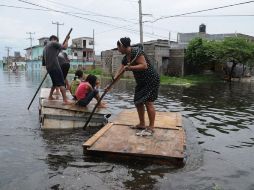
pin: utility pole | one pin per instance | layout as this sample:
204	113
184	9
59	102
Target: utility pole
169	38
140	22
57	24
93	51
8	54
31	41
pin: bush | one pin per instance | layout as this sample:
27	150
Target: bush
94	71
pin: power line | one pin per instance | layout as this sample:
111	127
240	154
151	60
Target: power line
92	20
91	13
250	15
18	7
67	13
28	8
131	1
124	27
204	10
78	13
115	27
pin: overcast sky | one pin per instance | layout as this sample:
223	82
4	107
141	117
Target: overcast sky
112	19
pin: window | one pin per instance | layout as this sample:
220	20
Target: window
91	42
75	54
84	54
84	43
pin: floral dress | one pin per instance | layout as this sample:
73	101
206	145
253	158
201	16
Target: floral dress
148	81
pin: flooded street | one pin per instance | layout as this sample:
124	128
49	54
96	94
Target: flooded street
218	119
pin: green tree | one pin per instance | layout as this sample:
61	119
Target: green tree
206	54
202	54
195	55
237	51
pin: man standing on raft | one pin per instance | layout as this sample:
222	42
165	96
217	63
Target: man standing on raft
50	59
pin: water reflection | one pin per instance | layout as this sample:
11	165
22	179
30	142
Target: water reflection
218	119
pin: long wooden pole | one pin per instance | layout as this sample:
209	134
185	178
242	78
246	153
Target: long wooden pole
105	92
46	74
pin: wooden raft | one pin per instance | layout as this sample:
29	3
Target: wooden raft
55	115
117	138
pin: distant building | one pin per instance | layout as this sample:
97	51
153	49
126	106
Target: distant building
184	38
158	52
17	59
17	54
1	64
34	57
82	49
80	53
167	58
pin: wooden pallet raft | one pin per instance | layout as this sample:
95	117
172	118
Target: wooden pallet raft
55	115
118	139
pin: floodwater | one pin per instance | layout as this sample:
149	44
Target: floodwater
219	124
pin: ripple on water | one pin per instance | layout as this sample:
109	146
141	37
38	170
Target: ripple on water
218	120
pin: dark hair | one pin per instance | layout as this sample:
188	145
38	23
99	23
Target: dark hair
125	42
91	79
78	74
53	37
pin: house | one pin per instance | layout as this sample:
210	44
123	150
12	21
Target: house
184	38
80	53
167	57
34	55
158	52
15	60
1	64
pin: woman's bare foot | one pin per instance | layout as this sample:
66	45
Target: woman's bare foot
151	128
51	98
138	126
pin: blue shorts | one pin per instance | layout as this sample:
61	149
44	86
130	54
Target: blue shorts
56	76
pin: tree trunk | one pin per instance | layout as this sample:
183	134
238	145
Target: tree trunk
244	69
232	69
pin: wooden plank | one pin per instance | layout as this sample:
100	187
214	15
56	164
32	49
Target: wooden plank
70	113
95	137
121	139
179	122
45	93
169	120
58	104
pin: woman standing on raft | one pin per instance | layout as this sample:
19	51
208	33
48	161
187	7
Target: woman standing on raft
147	80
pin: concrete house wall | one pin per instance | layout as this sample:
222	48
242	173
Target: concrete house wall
157	52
